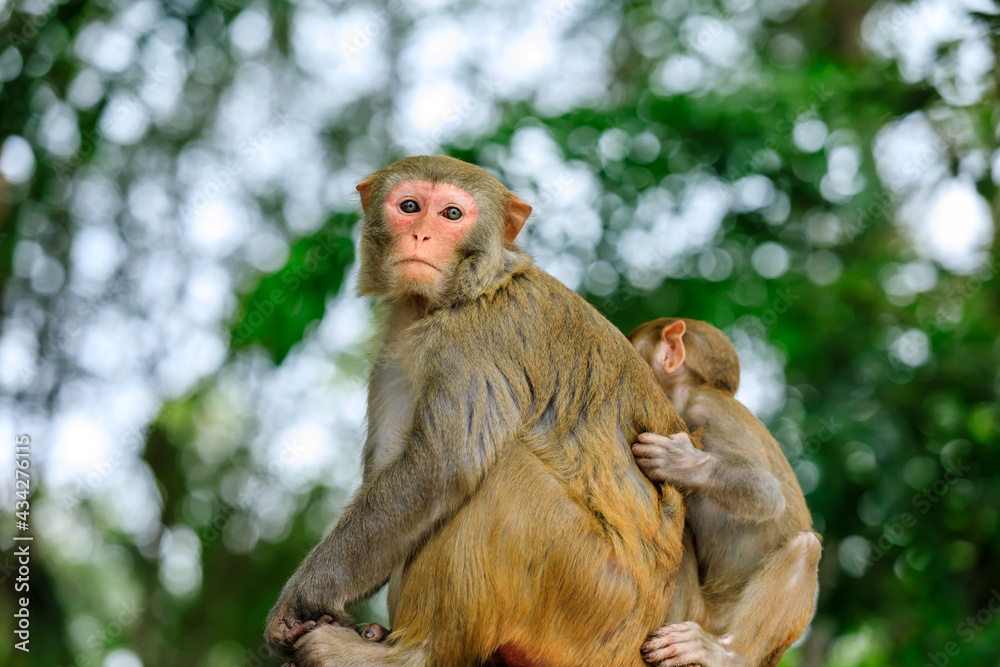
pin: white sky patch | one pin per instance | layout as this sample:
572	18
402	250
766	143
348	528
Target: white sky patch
951	224
140	16
752	193
69	530
81	446
347	322
250	32
208	297
564	199
108	344
762	375
301	451
86	89
105	47
60	131
903	282
530	53
842	181
17	354
667	227
770	259
164	75
434	111
124	120
432	105
96	253
122	657
140	516
17	160
714	39
343	52
438	45
909	154
678	74
911	34
196	354
180	561
810	133
910	347
217	225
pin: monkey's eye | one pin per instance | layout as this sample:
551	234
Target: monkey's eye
409	206
453	213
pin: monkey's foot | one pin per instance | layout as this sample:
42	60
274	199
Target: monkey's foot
687	643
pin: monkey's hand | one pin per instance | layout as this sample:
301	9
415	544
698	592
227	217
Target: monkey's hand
289	620
686	644
671	458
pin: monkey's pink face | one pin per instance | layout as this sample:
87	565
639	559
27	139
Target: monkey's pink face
428	220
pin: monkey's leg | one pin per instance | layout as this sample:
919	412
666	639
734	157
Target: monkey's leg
337	646
773	610
687	603
779	601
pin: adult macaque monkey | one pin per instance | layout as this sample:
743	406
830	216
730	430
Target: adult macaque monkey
499	489
756	554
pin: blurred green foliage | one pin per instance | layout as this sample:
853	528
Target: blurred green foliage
903	459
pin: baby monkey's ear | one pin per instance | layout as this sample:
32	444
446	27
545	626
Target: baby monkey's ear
672	338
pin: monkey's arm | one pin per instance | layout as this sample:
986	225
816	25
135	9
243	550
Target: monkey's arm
461	420
743	487
731	468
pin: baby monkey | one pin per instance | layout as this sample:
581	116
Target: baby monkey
756	555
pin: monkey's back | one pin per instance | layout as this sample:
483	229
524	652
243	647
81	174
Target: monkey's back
565	554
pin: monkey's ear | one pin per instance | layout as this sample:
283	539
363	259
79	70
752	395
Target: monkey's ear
517	213
672	336
365	188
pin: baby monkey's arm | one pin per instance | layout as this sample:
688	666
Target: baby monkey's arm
742	486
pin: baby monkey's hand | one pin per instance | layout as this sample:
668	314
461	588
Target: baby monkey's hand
668	458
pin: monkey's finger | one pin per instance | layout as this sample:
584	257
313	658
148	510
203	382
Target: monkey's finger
686	627
665	662
655	447
293	635
675	655
648	451
325	619
669	645
681	636
654	644
652	438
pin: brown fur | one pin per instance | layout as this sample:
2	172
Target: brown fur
748	519
499	489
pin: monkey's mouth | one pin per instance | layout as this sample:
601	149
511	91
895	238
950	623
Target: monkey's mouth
418	261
